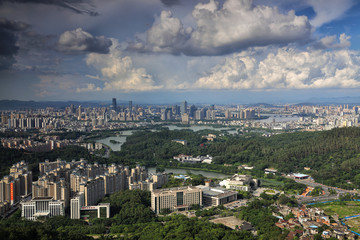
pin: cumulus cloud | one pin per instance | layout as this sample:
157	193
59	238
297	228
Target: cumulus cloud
286	68
328	10
119	73
218	30
331	42
79	41
78	6
8	40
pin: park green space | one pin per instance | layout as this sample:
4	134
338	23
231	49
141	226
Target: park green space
343	208
354	224
270	183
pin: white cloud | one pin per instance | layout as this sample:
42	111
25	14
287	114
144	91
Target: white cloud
78	41
330	42
223	29
286	68
328	10
119	73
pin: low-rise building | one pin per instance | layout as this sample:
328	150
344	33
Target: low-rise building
42	207
270	171
213	196
78	209
175	199
240	182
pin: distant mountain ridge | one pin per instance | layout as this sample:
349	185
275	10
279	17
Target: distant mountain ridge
17	105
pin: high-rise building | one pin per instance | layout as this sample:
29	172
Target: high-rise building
79	210
227	114
175	110
79	112
114	105
185	118
130	107
192	111
75	205
200	114
72	109
183	107
17	183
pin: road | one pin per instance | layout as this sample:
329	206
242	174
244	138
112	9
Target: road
315	184
323	198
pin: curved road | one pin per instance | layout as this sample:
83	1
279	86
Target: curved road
323	198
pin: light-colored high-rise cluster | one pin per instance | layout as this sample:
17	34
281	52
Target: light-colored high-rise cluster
81	185
16	184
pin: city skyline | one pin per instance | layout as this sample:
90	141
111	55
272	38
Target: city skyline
218	52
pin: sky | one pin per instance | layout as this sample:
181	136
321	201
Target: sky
166	51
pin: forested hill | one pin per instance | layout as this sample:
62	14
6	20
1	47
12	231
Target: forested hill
333	156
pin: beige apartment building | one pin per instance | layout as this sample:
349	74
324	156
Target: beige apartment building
175	199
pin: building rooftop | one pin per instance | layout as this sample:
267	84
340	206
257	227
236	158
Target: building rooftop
41	198
214	192
163	190
300	175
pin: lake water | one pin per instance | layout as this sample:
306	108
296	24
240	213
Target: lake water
122	137
185	171
119	138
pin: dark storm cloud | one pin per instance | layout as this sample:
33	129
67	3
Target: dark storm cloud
170	3
79	41
78	6
8	39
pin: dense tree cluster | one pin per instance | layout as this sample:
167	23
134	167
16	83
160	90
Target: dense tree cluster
131	206
180	227
61	228
329	154
259	214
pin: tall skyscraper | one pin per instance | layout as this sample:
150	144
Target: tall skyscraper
72	108
79	112
192	111
114	106
130	107
183	107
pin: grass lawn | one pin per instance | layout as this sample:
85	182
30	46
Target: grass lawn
270	183
343	209
354	224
